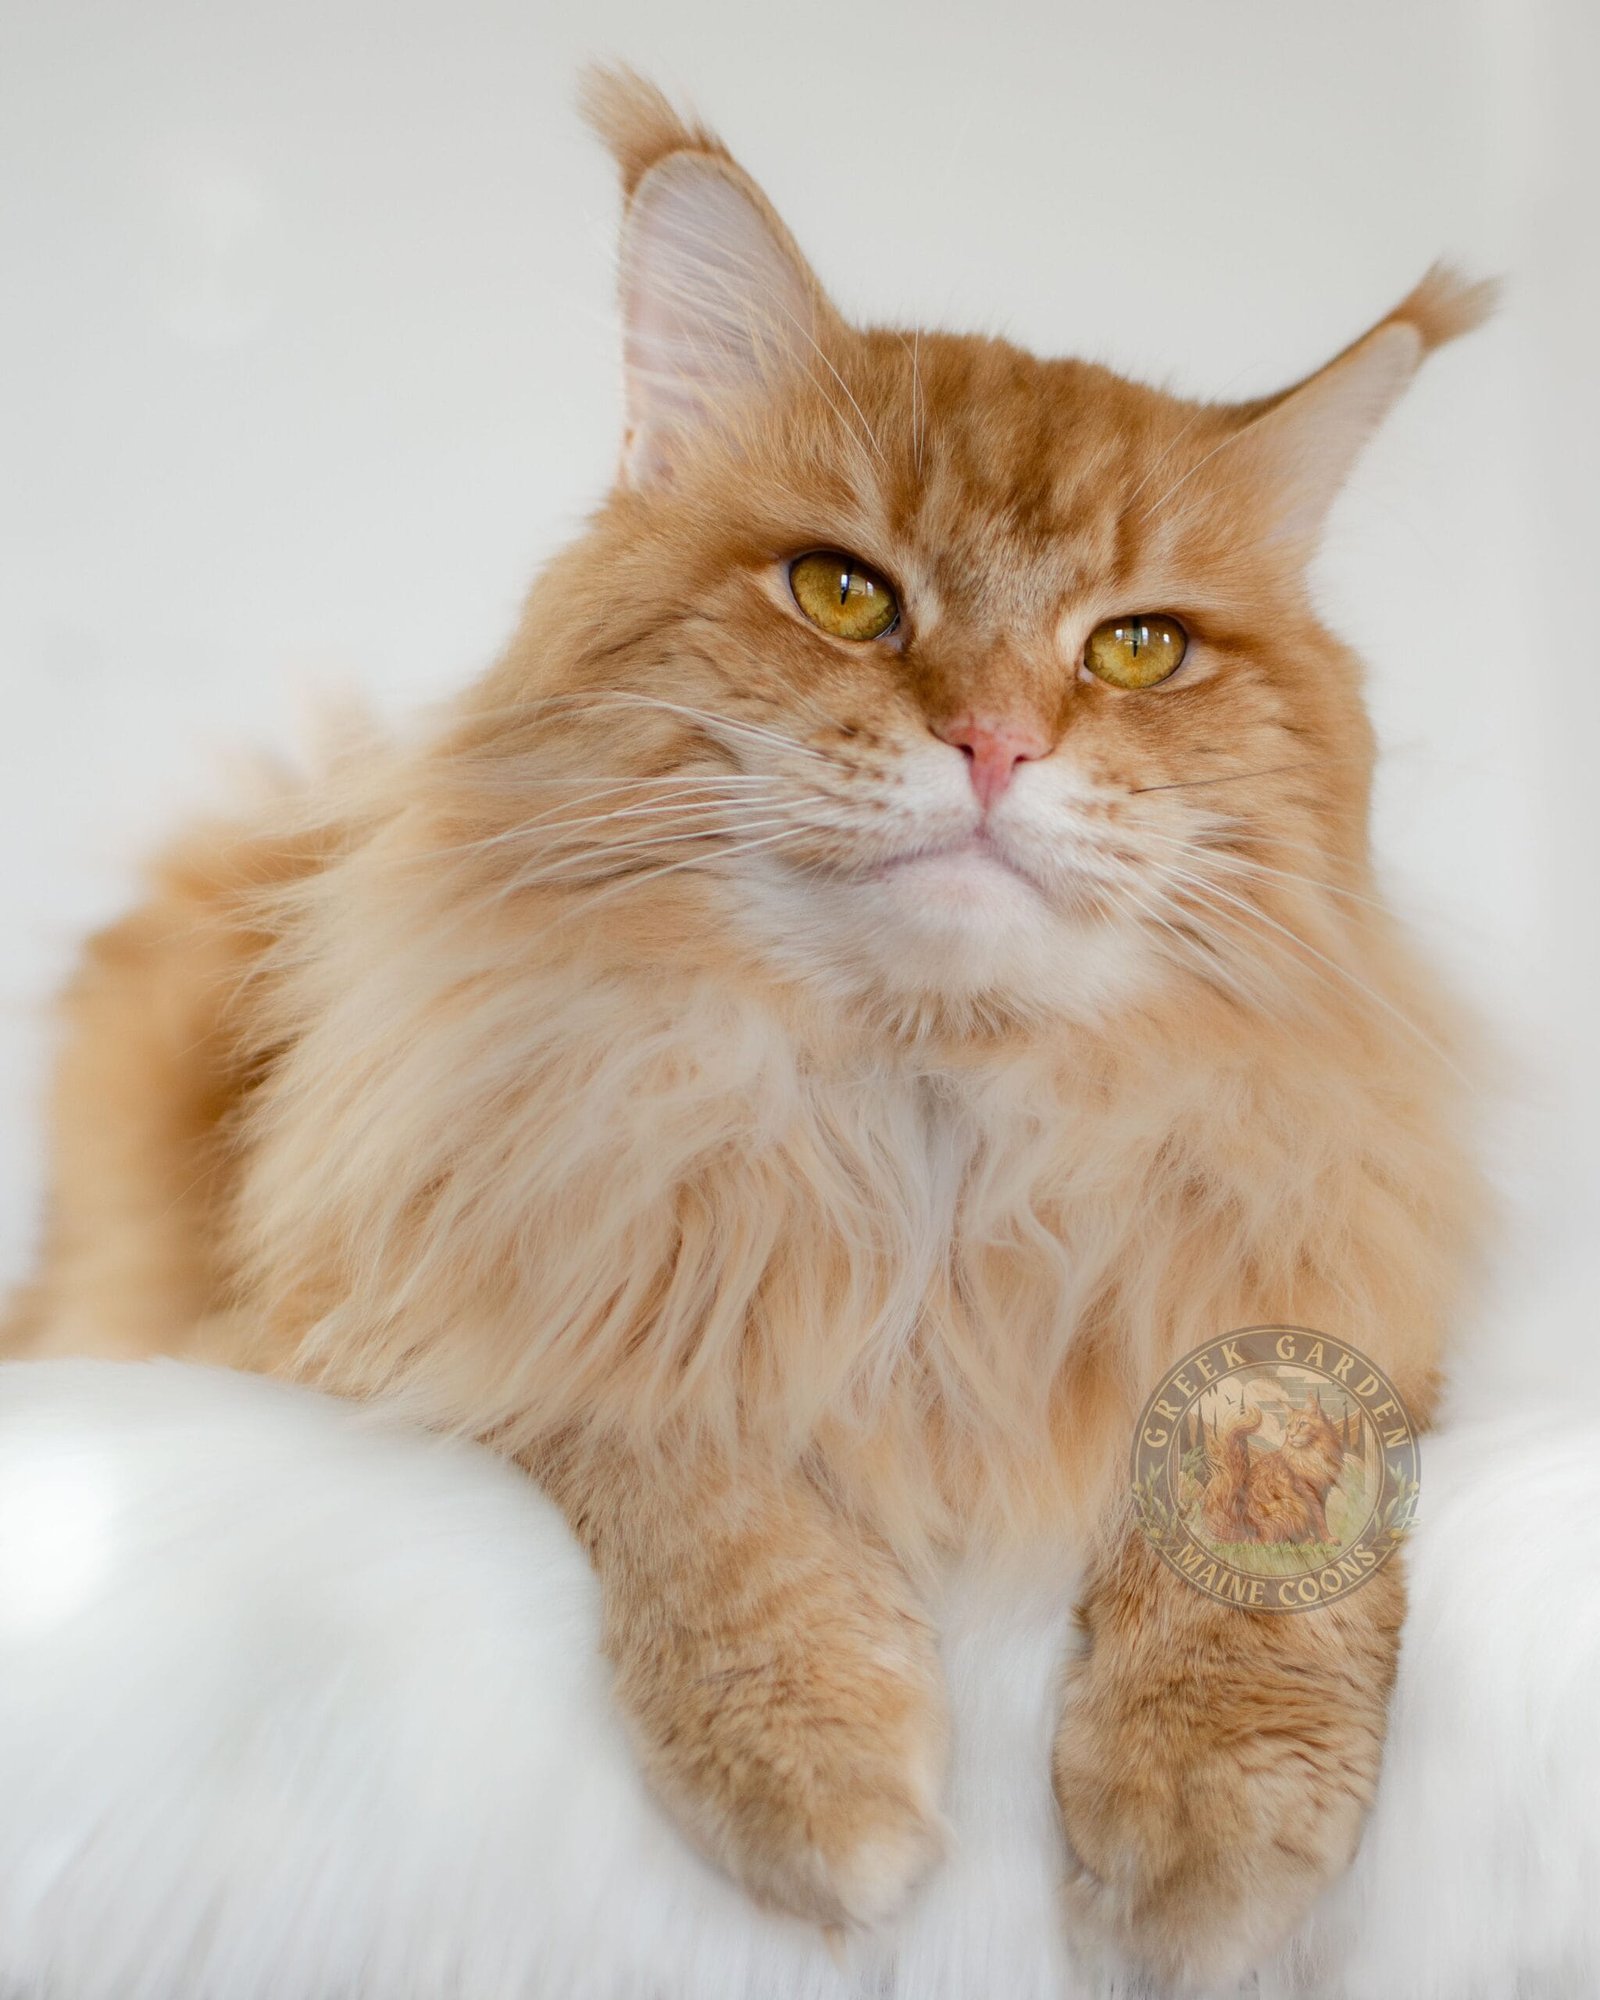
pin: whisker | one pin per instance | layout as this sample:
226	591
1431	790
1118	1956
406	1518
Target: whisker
598	698
754	730
605	857
1228	778
674	806
1239	864
1172	445
1225	959
557	821
630	784
1213	966
811	340
1211	893
560	858
649	875
1238	829
920	427
912	347
1207	409
1183	478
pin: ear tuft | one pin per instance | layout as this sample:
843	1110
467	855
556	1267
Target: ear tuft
1446	305
636	122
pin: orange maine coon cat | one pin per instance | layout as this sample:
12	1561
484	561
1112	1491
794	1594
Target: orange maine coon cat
885	962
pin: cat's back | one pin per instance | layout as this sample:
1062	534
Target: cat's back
163	1038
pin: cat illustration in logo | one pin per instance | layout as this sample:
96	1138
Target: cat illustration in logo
1277	1496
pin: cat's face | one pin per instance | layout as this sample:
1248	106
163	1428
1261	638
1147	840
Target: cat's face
967	679
1307	1428
961	804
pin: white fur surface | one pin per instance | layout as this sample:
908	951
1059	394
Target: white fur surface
297	1707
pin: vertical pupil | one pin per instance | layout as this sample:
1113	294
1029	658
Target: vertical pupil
844	585
1136	638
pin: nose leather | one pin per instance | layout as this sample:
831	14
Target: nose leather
994	747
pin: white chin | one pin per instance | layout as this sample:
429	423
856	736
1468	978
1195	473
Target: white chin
959	927
961	896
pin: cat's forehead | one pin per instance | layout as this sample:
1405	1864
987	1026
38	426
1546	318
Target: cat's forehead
1010	482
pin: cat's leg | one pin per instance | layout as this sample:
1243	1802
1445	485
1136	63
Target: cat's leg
1213	1765
780	1681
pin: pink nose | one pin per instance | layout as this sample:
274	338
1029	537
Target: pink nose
993	750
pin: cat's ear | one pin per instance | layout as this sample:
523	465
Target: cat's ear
717	301
1296	449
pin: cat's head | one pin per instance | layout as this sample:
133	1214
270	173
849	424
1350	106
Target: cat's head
1306	1428
945	675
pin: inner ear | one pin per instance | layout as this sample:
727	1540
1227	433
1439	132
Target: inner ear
717	304
1299	454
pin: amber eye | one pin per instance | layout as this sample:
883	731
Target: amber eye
1136	652
843	596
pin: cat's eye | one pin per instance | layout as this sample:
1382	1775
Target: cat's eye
1136	652
843	596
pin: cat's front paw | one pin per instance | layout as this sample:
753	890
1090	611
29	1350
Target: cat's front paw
1213	1775
804	1753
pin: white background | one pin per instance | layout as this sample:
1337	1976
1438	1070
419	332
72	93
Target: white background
306	360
